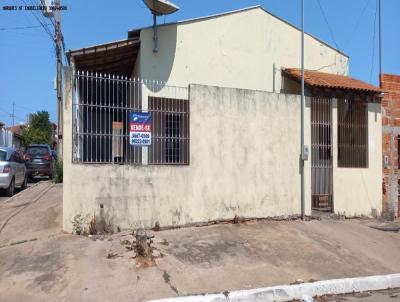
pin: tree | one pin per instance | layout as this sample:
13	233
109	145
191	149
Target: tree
40	129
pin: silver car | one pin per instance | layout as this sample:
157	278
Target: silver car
12	170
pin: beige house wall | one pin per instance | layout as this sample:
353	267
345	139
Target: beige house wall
236	50
244	161
358	192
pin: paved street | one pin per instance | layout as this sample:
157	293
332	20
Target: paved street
36	180
38	262
4	198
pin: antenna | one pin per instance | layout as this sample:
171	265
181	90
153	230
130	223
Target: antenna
159	8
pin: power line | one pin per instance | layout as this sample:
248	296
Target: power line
10	115
357	23
327	23
22	27
46	29
373	43
25	108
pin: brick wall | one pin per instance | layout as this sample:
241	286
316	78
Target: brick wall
390	123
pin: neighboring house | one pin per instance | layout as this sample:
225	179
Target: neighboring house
6	137
17	132
390	143
217	152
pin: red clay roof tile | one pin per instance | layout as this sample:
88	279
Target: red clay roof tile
329	80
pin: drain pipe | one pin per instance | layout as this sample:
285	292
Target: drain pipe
303	153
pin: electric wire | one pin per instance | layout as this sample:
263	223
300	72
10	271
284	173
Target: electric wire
46	29
327	23
357	24
25	108
22	27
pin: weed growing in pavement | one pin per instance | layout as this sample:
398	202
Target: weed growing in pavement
93	226
167	277
112	255
77	224
58	172
22	241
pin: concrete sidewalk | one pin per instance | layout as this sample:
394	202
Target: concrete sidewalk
40	263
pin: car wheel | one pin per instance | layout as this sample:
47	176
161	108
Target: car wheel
10	189
24	184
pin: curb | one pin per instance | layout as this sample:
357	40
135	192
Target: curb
284	293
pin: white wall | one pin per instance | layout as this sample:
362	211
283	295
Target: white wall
6	138
244	161
236	50
359	191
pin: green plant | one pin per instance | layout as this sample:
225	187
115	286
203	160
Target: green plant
40	130
58	172
167	277
93	226
108	225
77	224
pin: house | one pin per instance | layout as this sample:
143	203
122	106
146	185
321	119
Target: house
390	83
5	136
208	127
17	134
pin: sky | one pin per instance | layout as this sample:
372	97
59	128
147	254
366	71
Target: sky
28	61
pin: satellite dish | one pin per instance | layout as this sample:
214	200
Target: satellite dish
159	8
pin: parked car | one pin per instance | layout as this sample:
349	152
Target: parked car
39	161
12	170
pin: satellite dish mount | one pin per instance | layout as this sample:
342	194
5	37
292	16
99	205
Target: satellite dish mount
159	8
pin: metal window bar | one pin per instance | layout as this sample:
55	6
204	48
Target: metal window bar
321	153
171	133
102	104
352	134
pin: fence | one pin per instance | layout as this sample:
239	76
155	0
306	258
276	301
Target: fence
102	106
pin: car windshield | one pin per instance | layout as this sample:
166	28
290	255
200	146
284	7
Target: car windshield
3	155
37	151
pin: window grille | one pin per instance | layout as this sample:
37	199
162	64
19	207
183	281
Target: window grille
102	106
170	131
352	134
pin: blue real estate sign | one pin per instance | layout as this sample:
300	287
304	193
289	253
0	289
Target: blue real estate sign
140	129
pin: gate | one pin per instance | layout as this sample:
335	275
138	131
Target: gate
321	154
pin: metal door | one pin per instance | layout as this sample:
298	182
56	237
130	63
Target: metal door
321	154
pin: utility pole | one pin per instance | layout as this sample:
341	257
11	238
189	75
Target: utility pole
303	155
59	77
13	115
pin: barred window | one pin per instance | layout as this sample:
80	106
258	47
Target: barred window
352	134
102	106
170	131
